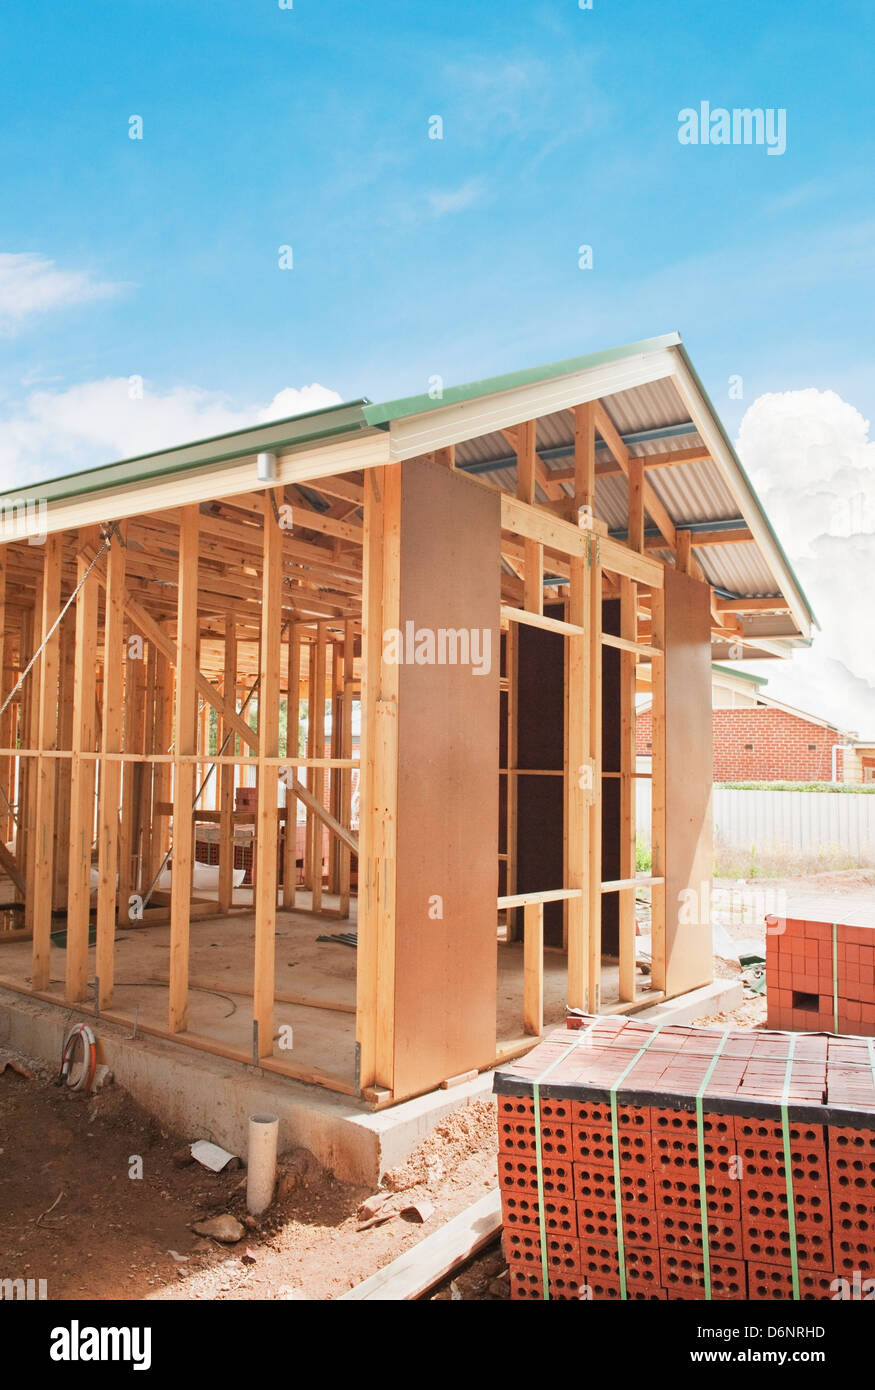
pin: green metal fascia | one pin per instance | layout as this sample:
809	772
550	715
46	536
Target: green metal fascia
742	675
276	434
385	413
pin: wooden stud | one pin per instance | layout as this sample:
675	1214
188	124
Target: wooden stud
111	771
684	551
267	827
346	773
533	968
227	774
635	478
25	840
6	683
583	473
628	626
82	778
66	685
595	761
162	772
658	817
187	627
526	458
47	771
132	780
375	987
317	723
533	592
578	782
293	731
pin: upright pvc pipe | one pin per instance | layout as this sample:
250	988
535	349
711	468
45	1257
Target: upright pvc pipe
261	1162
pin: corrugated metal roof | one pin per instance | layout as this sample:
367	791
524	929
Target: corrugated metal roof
647	407
693	492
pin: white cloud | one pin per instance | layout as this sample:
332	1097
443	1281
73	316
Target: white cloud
456	199
57	432
30	285
812	462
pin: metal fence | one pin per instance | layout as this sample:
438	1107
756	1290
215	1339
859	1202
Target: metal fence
788	822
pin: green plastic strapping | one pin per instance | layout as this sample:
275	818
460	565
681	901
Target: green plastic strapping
539	1162
700	1142
615	1143
835	978
542	1222
788	1169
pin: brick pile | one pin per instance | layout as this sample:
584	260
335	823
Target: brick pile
831	1122
801	988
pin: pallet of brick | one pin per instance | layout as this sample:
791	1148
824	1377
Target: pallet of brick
820	973
646	1162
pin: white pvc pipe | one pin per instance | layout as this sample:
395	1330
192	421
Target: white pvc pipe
261	1162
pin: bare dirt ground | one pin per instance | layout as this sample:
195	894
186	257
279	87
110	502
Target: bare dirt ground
112	1235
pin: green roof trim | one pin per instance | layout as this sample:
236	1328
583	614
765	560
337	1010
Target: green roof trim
385	413
742	675
219	448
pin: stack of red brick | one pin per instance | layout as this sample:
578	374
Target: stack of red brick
831	1099
810	977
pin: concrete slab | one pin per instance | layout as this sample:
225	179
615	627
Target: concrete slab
717	998
207	1097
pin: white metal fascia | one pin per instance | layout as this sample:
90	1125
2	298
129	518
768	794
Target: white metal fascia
346	454
748	503
451	424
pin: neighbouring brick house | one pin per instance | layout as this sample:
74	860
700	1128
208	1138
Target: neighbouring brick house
757	739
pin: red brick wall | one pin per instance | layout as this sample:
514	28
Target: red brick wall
781	750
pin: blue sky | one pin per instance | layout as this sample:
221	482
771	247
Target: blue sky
265	126
308	127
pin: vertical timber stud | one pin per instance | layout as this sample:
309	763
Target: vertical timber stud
82	775
317	719
293	728
635	539
346	772
375	962
111	770
6	826
578	782
66	682
684	553
267	826
46	767
226	774
526	462
29	739
584	461
595	756
629	630
658	817
184	772
162	771
533	969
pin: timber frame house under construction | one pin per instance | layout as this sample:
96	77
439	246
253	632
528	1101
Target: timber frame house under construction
587	525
